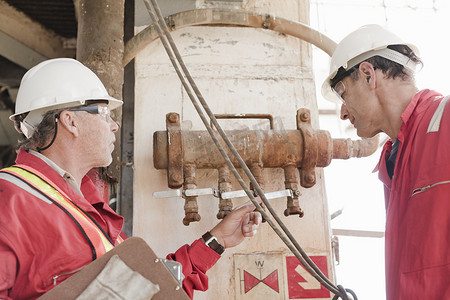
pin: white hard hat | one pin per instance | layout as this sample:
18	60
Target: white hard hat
57	83
365	42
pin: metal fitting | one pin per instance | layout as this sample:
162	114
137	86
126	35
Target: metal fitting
172	117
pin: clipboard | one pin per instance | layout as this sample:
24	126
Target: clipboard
139	257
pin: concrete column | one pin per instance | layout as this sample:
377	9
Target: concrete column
100	48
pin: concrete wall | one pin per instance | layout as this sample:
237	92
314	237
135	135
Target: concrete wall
238	70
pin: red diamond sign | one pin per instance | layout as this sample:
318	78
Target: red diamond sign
301	284
271	281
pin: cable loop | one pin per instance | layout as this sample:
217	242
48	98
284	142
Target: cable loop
344	294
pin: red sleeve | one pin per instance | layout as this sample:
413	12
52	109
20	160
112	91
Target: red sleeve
195	260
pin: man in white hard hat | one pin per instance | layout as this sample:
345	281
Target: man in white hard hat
53	221
372	74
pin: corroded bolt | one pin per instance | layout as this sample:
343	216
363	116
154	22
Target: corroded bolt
304	117
310	178
172	117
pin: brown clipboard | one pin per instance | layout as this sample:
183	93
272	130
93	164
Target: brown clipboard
139	257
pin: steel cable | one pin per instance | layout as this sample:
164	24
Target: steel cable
172	50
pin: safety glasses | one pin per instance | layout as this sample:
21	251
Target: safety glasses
103	111
337	86
339	90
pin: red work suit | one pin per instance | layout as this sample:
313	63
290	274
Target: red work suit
418	204
40	246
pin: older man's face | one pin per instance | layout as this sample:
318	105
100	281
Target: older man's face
98	134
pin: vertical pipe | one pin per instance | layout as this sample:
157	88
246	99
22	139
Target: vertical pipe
225	205
100	47
190	204
126	182
291	177
256	170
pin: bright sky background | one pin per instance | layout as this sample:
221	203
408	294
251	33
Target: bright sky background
351	184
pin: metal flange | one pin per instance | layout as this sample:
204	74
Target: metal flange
310	148
175	151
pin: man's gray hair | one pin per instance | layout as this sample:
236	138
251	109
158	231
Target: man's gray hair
43	133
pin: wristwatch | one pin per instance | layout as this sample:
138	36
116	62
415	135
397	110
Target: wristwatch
211	242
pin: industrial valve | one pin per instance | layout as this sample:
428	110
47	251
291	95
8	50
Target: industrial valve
298	152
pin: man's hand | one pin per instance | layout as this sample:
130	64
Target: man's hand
242	222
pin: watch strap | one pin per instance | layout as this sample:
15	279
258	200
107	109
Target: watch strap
211	242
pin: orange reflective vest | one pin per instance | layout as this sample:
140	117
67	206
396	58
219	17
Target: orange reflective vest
94	234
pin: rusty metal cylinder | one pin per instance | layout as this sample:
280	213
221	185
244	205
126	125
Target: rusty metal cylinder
272	148
267	148
347	148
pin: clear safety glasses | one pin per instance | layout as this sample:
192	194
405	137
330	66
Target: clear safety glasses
339	90
339	87
103	111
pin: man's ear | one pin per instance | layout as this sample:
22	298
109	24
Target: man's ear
69	121
369	73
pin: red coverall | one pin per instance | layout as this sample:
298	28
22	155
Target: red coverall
418	204
40	246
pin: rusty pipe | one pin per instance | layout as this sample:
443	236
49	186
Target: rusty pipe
245	116
225	205
190	204
256	170
271	148
267	147
347	148
291	179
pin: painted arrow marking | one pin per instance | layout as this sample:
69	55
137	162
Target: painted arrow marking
311	282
